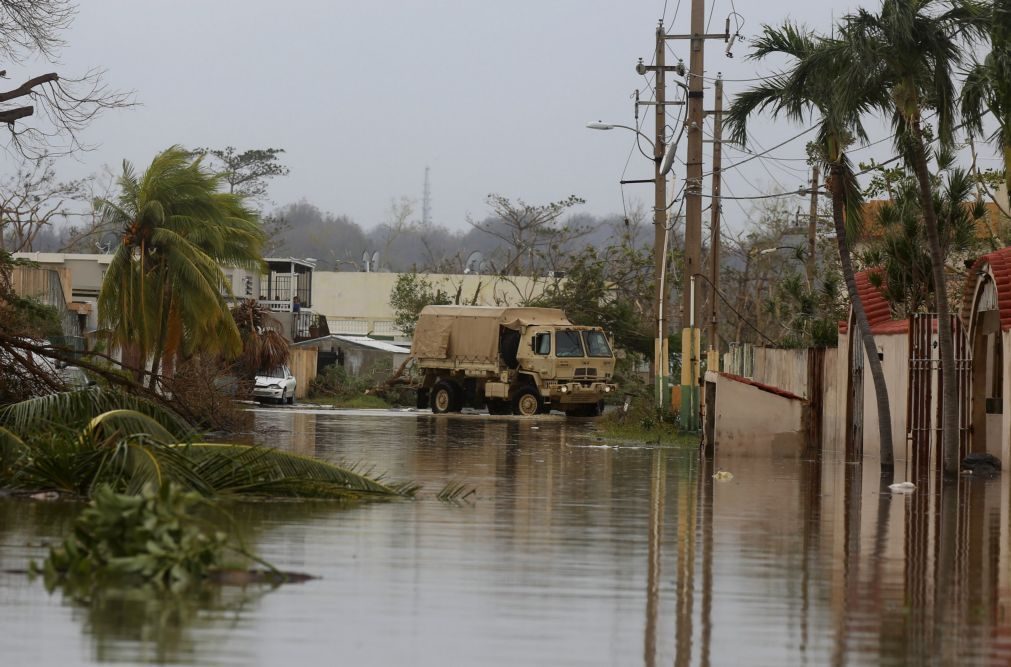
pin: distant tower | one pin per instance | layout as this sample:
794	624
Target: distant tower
426	202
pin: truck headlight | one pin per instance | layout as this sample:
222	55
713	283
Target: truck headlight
564	389
607	390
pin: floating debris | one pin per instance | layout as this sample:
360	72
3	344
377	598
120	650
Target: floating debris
984	465
902	487
723	476
45	495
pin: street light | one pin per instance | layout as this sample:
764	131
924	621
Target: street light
660	356
601	125
668	158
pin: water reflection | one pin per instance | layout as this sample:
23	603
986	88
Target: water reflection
573	552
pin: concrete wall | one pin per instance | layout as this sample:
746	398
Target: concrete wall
750	421
894	350
834	403
366	296
785	369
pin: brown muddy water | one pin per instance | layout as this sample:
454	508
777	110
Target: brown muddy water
572	552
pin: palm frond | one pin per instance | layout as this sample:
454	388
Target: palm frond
79	407
240	469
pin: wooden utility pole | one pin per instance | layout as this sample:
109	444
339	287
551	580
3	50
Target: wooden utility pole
713	356
690	346
660	224
812	229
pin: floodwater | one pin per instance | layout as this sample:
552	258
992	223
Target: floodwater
571	552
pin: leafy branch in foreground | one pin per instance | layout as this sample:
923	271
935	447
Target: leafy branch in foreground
158	539
74	443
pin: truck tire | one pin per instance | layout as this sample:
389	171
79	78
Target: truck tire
526	402
445	397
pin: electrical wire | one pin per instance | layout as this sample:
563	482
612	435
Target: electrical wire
758	155
727	302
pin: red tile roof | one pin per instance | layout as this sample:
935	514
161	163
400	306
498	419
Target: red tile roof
998	265
879	312
764	387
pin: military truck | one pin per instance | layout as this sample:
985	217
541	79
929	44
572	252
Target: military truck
520	361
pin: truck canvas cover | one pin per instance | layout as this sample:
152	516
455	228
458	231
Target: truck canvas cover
471	333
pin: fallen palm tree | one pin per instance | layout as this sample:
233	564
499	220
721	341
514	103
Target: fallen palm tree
73	443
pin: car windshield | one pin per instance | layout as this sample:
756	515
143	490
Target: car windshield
275	373
596	344
567	344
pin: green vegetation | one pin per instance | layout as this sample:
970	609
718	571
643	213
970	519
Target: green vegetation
360	402
646	423
410	294
646	430
157	538
177	230
336	387
77	442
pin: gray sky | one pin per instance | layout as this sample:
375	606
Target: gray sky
363	95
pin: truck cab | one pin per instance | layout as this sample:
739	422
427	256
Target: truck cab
572	366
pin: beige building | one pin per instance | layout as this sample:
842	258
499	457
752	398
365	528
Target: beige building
358	303
353	303
81	275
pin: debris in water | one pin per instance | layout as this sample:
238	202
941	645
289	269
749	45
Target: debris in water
902	487
985	465
723	476
45	495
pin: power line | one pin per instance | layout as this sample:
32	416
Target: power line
739	316
758	155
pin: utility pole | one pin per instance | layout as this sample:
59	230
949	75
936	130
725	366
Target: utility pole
812	229
660	222
690	344
713	356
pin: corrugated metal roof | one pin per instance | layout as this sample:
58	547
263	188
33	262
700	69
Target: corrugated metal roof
363	341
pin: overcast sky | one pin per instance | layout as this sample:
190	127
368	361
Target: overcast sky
494	97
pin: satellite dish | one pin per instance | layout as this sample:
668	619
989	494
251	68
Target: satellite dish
375	261
475	263
365	260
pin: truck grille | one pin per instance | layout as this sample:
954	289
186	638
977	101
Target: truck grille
585	372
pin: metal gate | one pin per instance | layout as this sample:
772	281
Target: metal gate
925	390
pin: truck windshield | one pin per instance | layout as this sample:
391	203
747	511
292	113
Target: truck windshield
567	344
596	344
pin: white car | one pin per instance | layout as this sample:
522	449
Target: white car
277	385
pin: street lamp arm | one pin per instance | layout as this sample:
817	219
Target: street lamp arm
599	125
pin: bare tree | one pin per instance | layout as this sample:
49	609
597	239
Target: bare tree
529	231
60	106
30	199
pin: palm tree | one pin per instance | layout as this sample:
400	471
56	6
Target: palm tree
906	278
903	59
162	295
804	88
987	86
263	344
